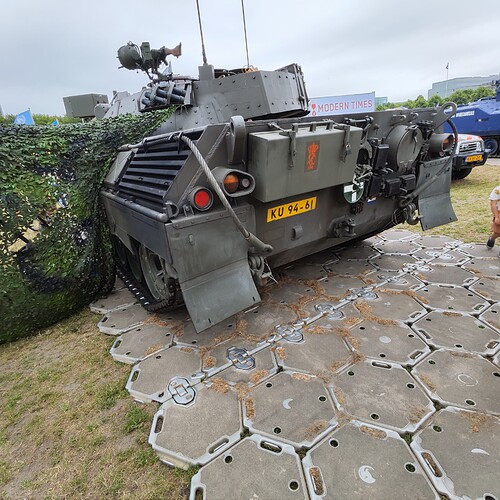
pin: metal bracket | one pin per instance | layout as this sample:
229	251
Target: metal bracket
329	310
346	147
182	393
293	143
362	293
290	334
240	358
341	226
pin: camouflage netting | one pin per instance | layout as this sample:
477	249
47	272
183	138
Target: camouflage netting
55	253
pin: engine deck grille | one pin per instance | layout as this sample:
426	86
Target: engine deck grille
152	170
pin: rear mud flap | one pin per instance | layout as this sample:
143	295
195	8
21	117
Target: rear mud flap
434	203
217	295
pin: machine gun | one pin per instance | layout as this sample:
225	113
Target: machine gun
145	58
163	90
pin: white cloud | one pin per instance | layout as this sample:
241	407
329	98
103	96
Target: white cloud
54	48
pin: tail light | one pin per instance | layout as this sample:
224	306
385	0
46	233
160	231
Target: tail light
201	198
234	182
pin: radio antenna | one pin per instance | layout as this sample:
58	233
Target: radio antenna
201	34
245	29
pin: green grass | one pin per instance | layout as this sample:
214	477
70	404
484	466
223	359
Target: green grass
469	197
68	428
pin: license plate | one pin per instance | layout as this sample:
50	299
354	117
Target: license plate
291	209
474	158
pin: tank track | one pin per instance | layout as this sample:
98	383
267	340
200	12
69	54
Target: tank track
141	293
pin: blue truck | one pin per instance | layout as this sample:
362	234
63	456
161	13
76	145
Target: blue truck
478	124
482	118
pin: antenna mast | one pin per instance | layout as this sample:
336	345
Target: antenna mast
245	29
201	34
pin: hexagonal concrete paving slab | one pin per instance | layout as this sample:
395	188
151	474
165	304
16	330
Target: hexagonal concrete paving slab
254	468
382	393
460	379
292	407
350	348
458	331
460	453
198	432
364	461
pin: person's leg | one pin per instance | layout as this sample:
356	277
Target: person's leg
495	233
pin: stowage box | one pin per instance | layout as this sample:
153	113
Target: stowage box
286	165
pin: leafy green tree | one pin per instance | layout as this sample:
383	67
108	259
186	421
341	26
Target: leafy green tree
481	92
435	100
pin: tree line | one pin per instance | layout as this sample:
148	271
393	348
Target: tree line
462	96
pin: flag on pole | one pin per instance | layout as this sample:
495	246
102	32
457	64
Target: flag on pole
447	65
24	118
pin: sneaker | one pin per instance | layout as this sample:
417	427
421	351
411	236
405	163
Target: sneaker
490	243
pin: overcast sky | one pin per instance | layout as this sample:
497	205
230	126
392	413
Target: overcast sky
397	48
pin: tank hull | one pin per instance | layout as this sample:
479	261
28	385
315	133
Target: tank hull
312	184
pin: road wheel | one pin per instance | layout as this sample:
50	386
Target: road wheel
155	274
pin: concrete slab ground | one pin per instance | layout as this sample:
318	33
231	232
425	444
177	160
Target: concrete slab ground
363	461
370	371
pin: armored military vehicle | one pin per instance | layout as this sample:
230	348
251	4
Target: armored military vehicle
482	118
240	180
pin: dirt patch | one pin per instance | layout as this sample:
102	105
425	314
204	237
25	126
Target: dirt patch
220	385
453	314
154	348
357	357
344	333
409	293
367	313
209	361
343	418
325	375
315	286
351	321
258	376
363	308
428	382
302	376
242	391
373	432
186	349
280	352
475	271
156	320
417	413
317	330
250	408
315	429
339	396
457	354
477	421
335	366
